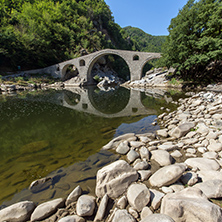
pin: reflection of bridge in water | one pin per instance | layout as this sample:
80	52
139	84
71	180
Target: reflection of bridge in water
83	103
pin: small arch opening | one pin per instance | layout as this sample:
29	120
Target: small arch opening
85	106
149	67
134	110
136	58
70	72
71	98
58	69
82	62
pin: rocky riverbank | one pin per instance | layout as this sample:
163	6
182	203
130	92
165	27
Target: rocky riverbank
105	78
173	175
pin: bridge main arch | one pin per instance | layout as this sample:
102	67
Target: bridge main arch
102	53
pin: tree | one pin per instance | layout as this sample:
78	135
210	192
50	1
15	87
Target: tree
39	33
194	44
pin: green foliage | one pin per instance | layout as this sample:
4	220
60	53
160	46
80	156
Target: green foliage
194	44
19	78
174	81
39	33
97	78
143	41
119	65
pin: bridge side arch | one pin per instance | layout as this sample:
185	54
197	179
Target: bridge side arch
145	62
64	66
99	55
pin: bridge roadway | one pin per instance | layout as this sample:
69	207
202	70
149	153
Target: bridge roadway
84	64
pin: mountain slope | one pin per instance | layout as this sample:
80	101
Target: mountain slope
39	33
145	42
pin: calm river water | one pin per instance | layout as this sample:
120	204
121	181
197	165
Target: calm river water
60	134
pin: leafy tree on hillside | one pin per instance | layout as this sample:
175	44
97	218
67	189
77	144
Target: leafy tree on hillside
194	44
39	33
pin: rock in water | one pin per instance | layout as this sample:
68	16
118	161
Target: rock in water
114	179
40	184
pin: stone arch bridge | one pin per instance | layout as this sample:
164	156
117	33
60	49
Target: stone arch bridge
135	61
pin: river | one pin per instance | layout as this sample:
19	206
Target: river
61	133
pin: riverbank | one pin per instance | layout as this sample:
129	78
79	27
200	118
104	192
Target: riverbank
155	174
155	78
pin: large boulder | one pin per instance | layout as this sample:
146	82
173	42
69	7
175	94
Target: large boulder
182	130
102	208
206	175
18	212
114	179
123	148
167	175
211	188
46	209
157	218
190	205
138	196
85	205
74	195
122	215
156	197
203	163
162	157
72	218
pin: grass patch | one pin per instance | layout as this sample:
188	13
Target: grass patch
175	82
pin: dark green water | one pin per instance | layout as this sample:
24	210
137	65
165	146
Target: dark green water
62	132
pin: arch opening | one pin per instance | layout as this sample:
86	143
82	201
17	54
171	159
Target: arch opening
136	58
69	71
111	66
82	62
110	102
148	67
71	98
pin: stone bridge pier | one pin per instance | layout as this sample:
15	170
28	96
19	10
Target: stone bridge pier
135	61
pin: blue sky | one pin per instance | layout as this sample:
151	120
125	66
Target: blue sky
152	16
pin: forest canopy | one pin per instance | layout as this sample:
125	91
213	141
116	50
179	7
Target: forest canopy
38	33
194	44
145	42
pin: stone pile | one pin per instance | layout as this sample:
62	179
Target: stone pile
173	175
157	78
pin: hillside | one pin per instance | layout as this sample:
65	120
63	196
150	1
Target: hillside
39	33
145	42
